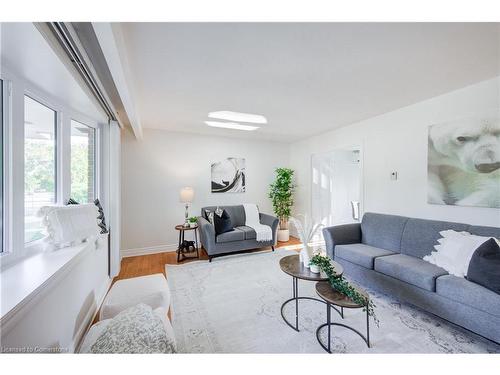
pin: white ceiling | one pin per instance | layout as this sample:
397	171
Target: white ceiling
305	78
25	53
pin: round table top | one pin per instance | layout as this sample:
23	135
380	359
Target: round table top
292	266
182	227
326	292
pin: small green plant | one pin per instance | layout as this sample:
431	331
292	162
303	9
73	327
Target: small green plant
281	195
339	283
193	219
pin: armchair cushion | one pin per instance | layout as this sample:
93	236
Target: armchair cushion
249	232
233	235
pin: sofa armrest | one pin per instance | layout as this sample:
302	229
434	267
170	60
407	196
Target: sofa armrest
272	221
341	235
207	234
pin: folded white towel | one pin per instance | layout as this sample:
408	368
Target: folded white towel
264	232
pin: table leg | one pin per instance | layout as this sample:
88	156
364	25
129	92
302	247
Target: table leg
367	328
196	242
296	294
328	320
179	247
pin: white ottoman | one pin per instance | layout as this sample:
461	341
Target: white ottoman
151	290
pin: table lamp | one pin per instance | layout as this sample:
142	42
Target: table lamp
186	197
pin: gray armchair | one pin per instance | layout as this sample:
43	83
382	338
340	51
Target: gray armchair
241	238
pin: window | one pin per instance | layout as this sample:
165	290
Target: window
39	164
82	162
1	166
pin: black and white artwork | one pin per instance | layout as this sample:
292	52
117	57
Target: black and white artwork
228	176
464	162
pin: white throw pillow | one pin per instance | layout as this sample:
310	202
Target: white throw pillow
454	251
67	225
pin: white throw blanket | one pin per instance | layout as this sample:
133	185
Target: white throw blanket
264	232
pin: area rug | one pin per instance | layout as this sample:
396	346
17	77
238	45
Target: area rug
232	305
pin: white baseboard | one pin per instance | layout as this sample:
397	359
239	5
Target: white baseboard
148	250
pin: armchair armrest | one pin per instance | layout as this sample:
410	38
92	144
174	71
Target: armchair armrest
341	235
272	221
207	234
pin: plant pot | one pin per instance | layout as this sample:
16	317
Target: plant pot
283	235
192	225
314	268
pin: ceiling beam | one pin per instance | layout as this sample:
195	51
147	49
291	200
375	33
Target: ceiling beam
111	41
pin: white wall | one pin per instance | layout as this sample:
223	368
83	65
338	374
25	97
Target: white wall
397	141
156	168
59	313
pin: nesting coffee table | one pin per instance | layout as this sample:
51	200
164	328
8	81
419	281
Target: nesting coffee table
334	297
292	266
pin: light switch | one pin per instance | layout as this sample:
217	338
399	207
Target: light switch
394	176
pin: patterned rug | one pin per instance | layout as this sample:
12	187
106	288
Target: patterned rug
232	305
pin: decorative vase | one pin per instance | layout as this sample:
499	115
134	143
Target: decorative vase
314	268
305	256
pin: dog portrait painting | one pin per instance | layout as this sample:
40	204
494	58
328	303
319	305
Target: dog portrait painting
464	162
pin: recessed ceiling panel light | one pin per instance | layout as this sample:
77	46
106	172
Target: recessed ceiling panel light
238	116
230	125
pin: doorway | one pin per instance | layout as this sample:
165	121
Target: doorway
336	191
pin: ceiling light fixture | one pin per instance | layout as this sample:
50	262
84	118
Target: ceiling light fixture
230	125
238	116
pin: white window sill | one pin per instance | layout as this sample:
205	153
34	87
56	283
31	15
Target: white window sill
22	281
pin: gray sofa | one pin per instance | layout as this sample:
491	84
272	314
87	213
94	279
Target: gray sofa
385	252
241	238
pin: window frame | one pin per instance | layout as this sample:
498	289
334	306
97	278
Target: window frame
2	165
57	114
96	156
14	89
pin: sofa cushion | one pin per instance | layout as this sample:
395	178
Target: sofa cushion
461	290
360	254
249	232
234	235
420	236
409	269
151	289
383	231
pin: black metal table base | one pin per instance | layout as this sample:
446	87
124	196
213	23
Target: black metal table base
296	298
185	247
329	324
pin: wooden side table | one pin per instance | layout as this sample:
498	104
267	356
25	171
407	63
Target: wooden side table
185	246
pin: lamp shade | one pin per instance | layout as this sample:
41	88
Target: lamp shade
186	195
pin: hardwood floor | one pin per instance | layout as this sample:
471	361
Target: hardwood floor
155	263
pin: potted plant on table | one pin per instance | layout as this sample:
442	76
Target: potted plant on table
340	284
193	221
281	195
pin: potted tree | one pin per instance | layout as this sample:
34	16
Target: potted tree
281	195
